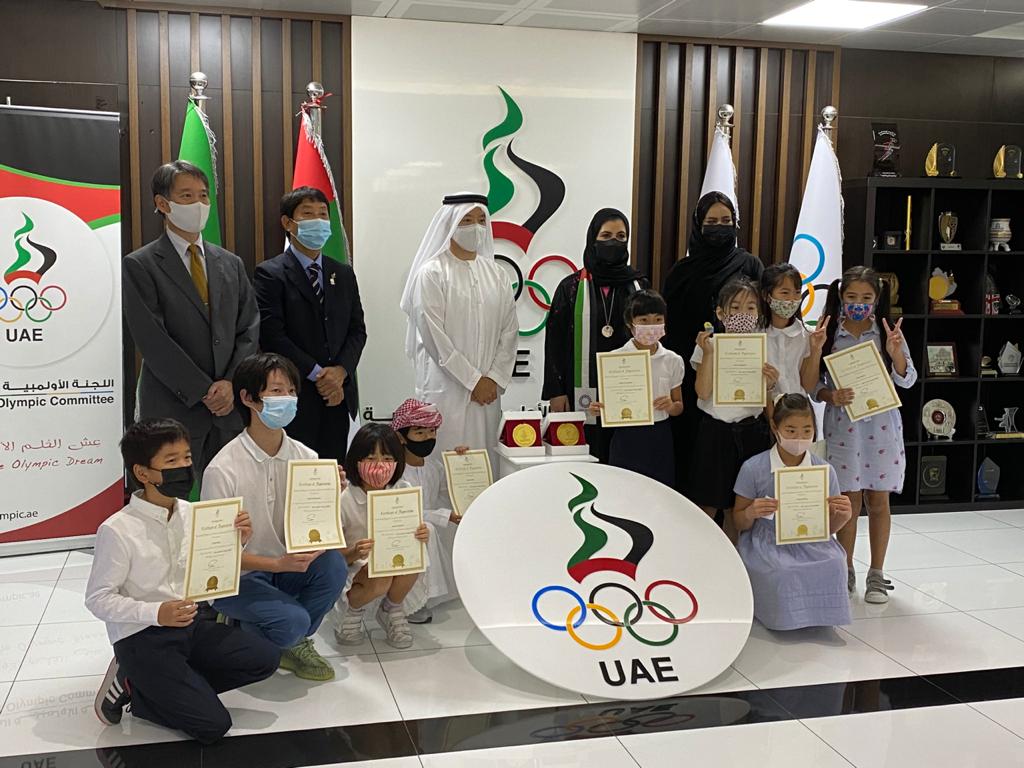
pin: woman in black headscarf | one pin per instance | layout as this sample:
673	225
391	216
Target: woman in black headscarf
592	299
713	258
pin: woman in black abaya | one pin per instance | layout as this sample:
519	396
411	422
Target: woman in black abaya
691	287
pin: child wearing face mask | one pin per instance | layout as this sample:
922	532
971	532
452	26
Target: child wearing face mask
867	454
282	597
789	340
648	450
417	423
375	461
727	435
169	664
794	585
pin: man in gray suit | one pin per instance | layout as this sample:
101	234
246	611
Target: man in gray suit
192	312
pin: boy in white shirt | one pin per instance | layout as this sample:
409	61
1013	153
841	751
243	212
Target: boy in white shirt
282	597
169	664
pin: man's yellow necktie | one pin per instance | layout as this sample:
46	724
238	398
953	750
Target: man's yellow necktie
198	273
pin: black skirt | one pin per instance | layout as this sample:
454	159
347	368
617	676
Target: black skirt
645	450
721	449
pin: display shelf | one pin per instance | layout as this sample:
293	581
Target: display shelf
875	205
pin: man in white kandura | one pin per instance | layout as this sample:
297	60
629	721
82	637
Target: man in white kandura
463	328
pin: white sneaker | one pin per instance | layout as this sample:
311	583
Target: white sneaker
349	630
878	588
395	626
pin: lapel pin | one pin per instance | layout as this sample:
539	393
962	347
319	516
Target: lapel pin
332	278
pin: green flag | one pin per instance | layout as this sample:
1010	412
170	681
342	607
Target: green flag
199	147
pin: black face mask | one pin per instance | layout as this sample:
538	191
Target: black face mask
421	448
176	482
610	253
719	235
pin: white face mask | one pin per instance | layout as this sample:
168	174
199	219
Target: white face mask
795	446
470	237
189	218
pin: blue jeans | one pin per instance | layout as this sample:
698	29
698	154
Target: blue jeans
285	608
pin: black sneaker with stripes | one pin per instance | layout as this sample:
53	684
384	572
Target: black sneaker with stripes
113	696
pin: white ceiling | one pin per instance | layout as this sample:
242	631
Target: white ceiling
990	27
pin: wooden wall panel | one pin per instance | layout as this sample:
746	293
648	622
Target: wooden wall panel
777	91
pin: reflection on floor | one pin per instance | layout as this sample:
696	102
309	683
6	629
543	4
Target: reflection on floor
905	684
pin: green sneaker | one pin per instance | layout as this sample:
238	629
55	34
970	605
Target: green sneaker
304	661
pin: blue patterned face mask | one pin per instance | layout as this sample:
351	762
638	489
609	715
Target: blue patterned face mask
858	312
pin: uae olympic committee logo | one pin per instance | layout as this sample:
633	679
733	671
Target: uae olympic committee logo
57	283
502	190
602	581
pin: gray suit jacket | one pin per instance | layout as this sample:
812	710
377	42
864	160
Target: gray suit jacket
184	347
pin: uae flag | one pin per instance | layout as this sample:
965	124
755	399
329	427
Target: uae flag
313	170
199	147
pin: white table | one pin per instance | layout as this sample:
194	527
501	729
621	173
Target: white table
509	464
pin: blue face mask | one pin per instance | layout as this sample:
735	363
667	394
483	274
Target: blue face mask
858	312
278	412
313	233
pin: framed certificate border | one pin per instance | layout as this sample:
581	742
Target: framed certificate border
199	506
762	339
289	546
891	406
448	473
608	422
371	499
821	469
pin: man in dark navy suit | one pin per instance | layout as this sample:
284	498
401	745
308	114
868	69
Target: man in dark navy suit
310	313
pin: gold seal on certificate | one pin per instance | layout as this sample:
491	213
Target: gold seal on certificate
392	519
468	476
739	364
214	564
312	508
624	380
861	369
802	493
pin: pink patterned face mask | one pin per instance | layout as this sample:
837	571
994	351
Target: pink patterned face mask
376	474
648	334
740	322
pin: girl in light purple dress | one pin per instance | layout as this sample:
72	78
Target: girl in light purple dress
868	454
794	585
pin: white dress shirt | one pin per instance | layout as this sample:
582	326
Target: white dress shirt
787	348
242	468
139	564
667	372
181	246
730	414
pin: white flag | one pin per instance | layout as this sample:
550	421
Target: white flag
720	175
817	249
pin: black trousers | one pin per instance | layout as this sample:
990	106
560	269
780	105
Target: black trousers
319	426
175	673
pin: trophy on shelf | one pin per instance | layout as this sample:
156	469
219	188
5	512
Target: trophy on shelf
1007	163
893	281
941	287
947	231
999	235
1013	304
993	301
941	160
933	477
987	370
939	420
887	150
1009	359
988	481
1008	423
981	424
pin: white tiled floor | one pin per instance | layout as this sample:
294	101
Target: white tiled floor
958	605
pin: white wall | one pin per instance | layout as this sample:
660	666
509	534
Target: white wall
424	95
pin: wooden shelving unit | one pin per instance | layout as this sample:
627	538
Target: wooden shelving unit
876	205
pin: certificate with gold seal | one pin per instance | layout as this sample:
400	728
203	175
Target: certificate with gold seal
392	518
861	369
468	475
312	507
739	369
625	389
802	493
214	565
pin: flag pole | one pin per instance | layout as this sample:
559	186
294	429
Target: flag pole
724	122
314	106
829	115
197	83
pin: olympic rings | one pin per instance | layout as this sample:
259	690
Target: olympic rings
517	270
594	646
821	255
540	326
556	588
631	617
652	606
546	305
25	307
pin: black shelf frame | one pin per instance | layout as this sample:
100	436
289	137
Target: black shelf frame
876	205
